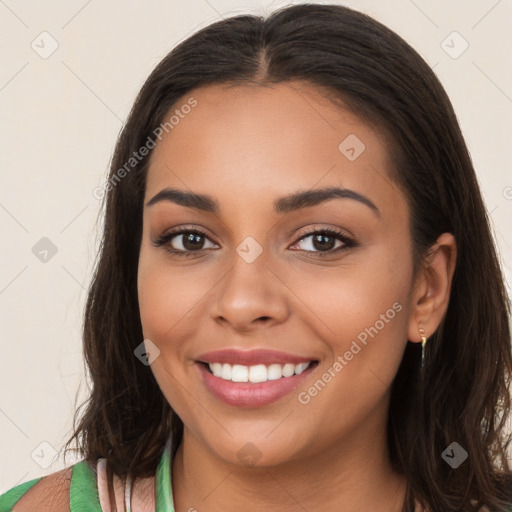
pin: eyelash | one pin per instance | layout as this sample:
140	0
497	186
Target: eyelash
166	238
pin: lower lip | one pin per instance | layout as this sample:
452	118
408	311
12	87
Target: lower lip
246	394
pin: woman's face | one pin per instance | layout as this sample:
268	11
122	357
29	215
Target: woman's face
260	293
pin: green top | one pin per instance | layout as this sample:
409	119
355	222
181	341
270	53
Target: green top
83	493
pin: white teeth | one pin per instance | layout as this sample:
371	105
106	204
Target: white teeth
300	368
239	373
256	373
274	372
216	369
226	372
288	370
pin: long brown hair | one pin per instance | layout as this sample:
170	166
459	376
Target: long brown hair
368	69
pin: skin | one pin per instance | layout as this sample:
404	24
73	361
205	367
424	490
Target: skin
247	146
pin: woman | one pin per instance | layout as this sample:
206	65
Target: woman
298	303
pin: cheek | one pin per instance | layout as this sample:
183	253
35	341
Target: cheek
354	296
362	318
166	294
361	313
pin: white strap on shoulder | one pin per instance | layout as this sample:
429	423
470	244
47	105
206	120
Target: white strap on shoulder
101	472
128	495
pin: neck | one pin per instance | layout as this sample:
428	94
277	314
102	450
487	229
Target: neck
353	474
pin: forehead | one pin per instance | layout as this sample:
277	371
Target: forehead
249	142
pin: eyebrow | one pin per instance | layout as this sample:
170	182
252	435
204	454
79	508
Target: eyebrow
286	204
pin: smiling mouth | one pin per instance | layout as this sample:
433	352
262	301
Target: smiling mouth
256	373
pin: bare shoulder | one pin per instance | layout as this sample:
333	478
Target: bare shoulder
50	494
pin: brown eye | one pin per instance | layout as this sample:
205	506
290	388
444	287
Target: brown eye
189	242
322	242
325	241
184	241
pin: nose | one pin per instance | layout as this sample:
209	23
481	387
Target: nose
250	296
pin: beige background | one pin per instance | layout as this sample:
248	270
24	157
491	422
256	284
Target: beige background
60	116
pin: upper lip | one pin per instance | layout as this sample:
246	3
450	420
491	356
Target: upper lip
251	357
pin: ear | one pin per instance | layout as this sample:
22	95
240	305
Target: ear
432	286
